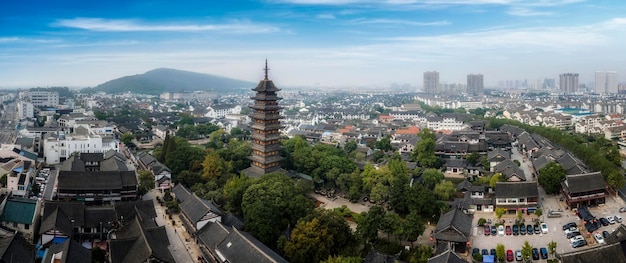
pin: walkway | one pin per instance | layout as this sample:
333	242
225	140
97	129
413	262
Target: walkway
331	203
182	247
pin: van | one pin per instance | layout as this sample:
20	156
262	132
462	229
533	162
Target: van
553	214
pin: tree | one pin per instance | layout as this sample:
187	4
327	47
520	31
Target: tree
384	144
322	226
146	181
213	166
500	252
342	259
369	223
445	190
234	189
189	178
520	216
538	212
413	227
526	251
550	177
424	152
500	212
552	248
497	177
127	138
350	146
272	204
431	177
473	158
392	224
421	254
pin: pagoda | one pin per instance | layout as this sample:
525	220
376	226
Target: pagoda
265	128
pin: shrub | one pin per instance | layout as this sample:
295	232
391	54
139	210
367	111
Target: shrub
482	221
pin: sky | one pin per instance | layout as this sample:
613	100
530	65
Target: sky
317	43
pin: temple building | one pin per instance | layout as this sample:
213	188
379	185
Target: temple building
265	128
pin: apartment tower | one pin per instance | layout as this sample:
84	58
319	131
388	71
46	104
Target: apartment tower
475	84
568	83
606	82
431	82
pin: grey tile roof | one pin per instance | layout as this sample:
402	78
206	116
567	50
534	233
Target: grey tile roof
498	154
516	189
18	251
95	180
240	246
453	226
447	257
607	253
510	169
583	182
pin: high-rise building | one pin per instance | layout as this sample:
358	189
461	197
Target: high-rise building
548	84
606	82
568	83
265	128
431	82
475	84
43	98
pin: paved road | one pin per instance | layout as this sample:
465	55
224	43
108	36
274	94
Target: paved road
525	164
338	202
177	247
52	180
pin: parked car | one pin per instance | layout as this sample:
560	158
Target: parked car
622	209
618	218
508	230
509	255
605	234
571	229
604	221
569	225
537	229
494	230
598	237
611	220
492	252
544	253
573	234
535	253
544	228
485	252
515	230
518	255
475	251
487	230
500	230
579	243
522	230
576	239
529	229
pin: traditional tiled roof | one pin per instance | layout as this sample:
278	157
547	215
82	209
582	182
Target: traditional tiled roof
516	189
447	257
579	183
453	226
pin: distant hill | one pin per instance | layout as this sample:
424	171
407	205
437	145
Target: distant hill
161	80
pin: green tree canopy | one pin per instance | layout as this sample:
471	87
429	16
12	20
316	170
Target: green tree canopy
445	190
424	151
146	181
127	138
550	177
271	204
431	177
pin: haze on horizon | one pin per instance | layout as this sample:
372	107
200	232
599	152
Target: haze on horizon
310	42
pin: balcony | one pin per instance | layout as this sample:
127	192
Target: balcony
266	148
267	126
259	116
265	137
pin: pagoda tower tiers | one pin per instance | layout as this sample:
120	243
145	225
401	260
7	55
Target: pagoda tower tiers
265	128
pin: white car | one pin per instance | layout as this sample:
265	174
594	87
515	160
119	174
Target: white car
544	228
501	230
598	237
571	229
618	218
576	238
611	220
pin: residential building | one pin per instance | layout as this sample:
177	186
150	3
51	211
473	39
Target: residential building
431	82
454	229
517	196
606	82
220	110
475	84
21	215
25	110
568	83
60	146
43	98
197	212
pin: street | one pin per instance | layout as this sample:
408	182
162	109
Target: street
52	179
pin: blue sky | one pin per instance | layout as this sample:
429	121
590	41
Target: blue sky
329	43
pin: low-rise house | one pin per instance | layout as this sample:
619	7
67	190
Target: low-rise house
221	243
15	248
511	171
497	156
517	196
454	228
475	198
584	189
21	215
197	212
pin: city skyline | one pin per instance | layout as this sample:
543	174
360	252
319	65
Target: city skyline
310	42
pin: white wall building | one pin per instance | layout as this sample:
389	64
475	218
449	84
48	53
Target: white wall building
43	98
220	111
59	146
25	110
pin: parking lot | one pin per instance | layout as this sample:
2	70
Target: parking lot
555	231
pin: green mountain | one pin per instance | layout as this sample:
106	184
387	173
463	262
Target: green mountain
161	80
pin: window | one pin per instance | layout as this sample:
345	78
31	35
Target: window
26	226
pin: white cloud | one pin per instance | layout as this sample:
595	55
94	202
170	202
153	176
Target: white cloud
523	11
363	21
120	25
325	16
9	39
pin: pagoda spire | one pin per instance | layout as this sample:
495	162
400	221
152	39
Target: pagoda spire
266	69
